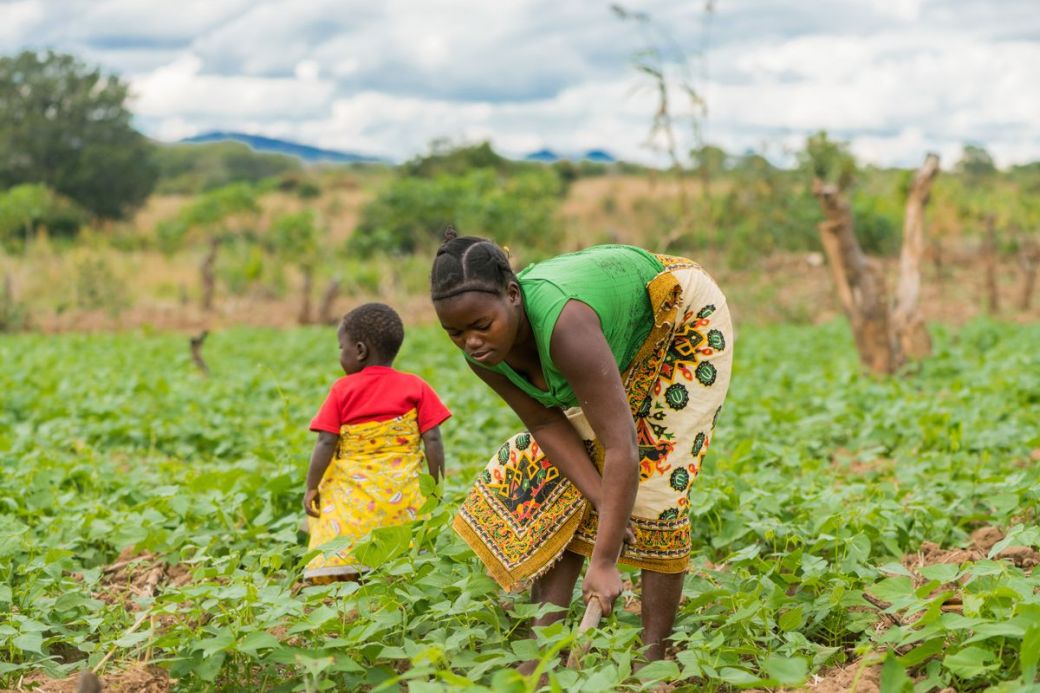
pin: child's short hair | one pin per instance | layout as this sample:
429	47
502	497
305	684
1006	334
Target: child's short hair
378	326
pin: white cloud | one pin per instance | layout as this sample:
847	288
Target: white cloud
180	90
20	20
893	77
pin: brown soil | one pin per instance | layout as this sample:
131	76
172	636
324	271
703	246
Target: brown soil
138	574
138	678
840	679
982	540
849	461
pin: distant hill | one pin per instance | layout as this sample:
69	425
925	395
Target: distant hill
270	144
548	156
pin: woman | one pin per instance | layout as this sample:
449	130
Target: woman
617	361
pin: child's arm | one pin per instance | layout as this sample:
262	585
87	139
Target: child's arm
434	452
324	449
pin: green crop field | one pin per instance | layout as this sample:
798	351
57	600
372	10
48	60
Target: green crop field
152	514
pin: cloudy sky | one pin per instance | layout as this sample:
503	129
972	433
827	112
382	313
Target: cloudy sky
896	78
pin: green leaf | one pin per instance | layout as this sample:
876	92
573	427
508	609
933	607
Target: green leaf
970	662
659	670
788	671
943	572
792	619
922	652
1030	653
508	681
29	642
892	589
218	643
384	544
738	677
894	678
257	640
210	666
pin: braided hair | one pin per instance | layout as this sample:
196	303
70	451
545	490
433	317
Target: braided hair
469	263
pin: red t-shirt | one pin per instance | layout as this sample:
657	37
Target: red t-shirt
379	393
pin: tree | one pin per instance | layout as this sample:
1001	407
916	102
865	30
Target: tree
65	124
976	163
218	214
295	237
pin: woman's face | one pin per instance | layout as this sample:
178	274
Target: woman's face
483	325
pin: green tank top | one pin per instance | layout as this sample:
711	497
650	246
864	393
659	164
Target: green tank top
610	279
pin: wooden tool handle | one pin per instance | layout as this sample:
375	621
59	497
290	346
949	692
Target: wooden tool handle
593	613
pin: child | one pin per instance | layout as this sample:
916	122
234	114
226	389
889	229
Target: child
365	468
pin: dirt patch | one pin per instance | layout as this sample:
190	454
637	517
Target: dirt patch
135	575
850	462
854	677
139	678
982	540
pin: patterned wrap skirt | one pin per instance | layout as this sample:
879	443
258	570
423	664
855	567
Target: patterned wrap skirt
522	513
372	481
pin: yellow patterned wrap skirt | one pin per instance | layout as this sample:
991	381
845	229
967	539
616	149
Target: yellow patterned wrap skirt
372	481
522	513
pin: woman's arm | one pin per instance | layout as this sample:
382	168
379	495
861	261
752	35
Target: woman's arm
434	452
554	433
581	353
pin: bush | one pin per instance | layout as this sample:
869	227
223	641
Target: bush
410	214
877	229
27	208
98	287
446	159
13	314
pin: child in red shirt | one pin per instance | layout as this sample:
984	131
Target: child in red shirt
365	468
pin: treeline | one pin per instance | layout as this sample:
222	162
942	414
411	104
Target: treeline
69	157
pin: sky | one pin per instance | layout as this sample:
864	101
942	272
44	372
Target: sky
894	78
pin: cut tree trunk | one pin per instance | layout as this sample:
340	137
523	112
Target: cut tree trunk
859	282
328	300
907	321
989	255
196	343
1029	262
209	274
304	317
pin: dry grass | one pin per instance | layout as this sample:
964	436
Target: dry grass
161	291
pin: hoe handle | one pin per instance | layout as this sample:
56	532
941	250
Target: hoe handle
593	613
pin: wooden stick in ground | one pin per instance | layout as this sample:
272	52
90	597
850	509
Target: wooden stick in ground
196	351
990	258
1029	262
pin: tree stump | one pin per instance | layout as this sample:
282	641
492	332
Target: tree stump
907	321
859	282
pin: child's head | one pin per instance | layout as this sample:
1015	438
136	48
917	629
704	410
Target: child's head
369	335
476	296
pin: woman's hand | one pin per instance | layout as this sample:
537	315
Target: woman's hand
312	502
602	582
